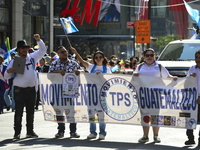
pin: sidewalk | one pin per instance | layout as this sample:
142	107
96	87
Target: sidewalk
119	137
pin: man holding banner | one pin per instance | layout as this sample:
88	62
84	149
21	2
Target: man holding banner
64	65
195	72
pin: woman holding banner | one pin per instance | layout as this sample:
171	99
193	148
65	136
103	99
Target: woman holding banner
99	66
150	67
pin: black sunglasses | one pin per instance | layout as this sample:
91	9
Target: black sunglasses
99	57
149	55
62	52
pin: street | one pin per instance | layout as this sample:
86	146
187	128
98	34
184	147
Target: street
119	137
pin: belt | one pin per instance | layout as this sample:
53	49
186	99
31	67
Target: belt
27	88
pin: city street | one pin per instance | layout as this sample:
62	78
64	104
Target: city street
119	137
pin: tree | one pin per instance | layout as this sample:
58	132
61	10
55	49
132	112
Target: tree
162	41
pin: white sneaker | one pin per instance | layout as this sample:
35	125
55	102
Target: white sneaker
91	136
101	137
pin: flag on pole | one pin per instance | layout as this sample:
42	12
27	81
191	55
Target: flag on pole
68	25
194	13
5	50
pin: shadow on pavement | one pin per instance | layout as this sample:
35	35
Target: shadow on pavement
73	143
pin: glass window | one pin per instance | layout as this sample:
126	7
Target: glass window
2	2
4	15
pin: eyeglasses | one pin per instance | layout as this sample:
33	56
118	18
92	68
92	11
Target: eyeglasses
149	55
62	52
99	57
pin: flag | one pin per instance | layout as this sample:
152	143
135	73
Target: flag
5	50
68	25
194	13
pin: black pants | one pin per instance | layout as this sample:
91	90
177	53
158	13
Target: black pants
24	97
189	132
72	127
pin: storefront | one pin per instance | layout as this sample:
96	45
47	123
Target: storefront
5	19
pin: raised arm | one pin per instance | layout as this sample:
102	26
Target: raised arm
80	59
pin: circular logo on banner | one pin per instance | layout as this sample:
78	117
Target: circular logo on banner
146	119
192	123
118	99
70	78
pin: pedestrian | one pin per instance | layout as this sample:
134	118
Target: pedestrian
65	65
42	68
150	67
2	83
195	72
99	66
25	86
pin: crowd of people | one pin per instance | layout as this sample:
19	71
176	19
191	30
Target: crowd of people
24	91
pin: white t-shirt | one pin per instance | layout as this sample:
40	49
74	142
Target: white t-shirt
97	69
195	69
152	70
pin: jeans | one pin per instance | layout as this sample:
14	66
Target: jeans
24	97
102	127
72	127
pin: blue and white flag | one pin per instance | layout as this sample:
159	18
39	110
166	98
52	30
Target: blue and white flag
194	13
5	50
68	25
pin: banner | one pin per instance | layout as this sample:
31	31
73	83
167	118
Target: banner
121	99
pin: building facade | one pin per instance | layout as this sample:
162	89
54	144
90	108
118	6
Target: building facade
103	25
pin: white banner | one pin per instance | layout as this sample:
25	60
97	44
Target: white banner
122	99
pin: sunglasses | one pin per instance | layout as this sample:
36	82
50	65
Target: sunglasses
62	52
149	55
99	57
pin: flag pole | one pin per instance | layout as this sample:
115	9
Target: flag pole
68	41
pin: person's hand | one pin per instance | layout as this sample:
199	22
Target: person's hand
198	100
97	72
11	70
193	74
36	37
73	50
62	72
77	72
136	74
175	78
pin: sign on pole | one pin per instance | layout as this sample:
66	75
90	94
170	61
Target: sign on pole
143	31
130	25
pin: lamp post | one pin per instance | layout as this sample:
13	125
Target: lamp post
149	18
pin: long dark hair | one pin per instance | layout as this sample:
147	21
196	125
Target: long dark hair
105	61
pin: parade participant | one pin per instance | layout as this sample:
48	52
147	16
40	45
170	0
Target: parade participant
2	83
99	66
64	65
42	68
195	72
150	67
25	86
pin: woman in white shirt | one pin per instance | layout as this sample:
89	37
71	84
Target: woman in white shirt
99	66
150	67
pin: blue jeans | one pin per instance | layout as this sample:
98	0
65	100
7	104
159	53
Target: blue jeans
72	127
102	127
24	97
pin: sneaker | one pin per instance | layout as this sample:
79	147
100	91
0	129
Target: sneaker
16	137
101	137
156	139
59	135
189	142
144	139
74	135
91	136
31	135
